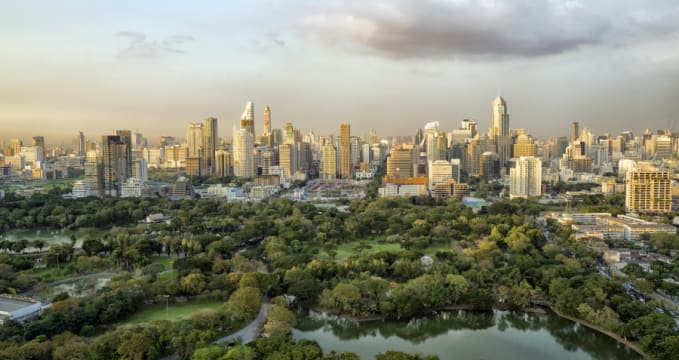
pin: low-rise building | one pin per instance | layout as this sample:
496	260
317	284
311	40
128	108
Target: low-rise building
18	308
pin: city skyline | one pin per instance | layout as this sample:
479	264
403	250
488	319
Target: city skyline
388	65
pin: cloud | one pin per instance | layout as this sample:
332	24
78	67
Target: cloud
469	28
275	39
139	46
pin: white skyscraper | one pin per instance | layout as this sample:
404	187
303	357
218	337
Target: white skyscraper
247	120
194	139
499	130
525	180
243	158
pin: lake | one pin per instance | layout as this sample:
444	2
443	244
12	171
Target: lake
486	335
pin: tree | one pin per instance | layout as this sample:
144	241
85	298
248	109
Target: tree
244	302
240	352
193	283
209	353
279	321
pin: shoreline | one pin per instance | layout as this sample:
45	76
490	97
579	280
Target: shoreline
545	309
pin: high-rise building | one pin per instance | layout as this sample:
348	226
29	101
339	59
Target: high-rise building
39	141
345	151
400	163
329	163
126	138
288	134
355	150
287	159
648	190
470	125
489	166
140	169
195	166
138	141
247	120
267	120
243	157
525	179
117	163
224	163
525	146
194	139
439	172
94	173
210	138
15	145
499	130
79	144
575	132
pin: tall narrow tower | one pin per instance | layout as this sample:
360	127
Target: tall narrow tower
499	130
267	120
209	143
575	131
247	120
345	151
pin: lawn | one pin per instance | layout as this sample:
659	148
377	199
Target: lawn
366	247
174	311
167	261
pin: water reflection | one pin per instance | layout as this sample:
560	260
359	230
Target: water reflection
488	335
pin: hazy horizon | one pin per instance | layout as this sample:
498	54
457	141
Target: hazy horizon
388	65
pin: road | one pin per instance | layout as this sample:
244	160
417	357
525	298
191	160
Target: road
249	333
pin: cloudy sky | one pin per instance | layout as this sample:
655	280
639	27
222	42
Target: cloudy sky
393	65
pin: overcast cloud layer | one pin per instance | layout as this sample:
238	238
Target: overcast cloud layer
392	65
450	28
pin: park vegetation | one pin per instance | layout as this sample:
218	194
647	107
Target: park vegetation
246	253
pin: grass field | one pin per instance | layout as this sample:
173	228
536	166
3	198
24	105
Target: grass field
174	311
167	261
370	247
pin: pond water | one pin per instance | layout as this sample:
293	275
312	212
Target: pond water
486	335
50	236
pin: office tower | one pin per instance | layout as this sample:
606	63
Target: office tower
126	138
32	156
419	137
247	120
94	173
456	166
210	139
194	139
372	138
345	151
117	164
288	134
154	157
287	159
79	144
469	125
329	163
304	156
39	141
400	163
489	166
138	141
243	159
499	131
354	150
223	163
663	147
525	146
267	120
525	178
439	172
648	190
195	166
574	131
175	156
167	140
15	145
140	169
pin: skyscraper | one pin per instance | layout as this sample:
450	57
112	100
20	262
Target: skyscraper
525	146
210	139
194	139
117	163
243	158
525	179
79	144
126	138
329	164
247	120
267	120
345	151
499	130
575	132
39	141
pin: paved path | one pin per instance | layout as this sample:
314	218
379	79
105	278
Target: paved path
249	333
